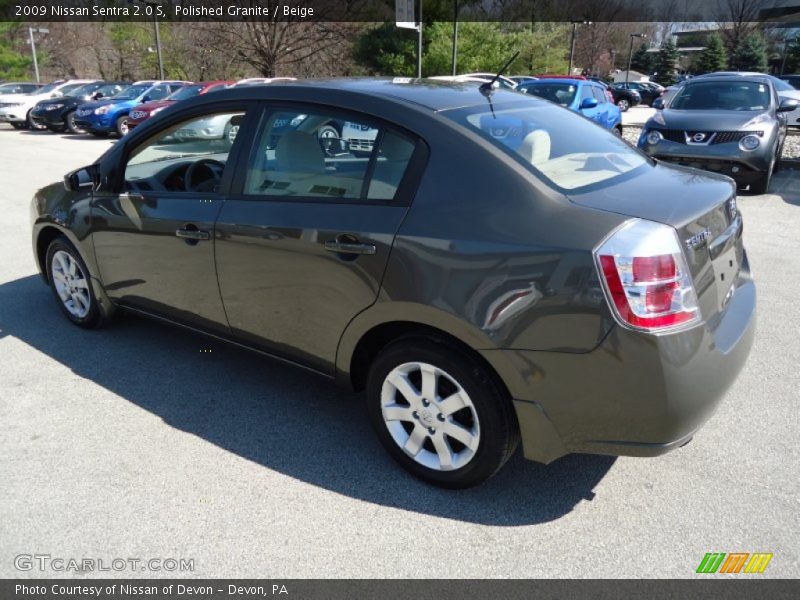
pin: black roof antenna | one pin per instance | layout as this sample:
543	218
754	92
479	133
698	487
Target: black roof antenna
487	88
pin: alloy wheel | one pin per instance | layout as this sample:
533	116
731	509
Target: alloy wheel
430	416
623	105
71	283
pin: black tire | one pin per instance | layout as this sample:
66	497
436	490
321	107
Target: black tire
33	125
623	104
121	126
94	317
499	431
71	126
20	125
761	185
618	131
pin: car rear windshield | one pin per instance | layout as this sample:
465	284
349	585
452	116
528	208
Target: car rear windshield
190	91
560	93
562	147
722	95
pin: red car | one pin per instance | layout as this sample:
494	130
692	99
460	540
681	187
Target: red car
145	111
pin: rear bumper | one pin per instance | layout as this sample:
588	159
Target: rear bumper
635	394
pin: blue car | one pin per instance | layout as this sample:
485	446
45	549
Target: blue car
582	96
111	115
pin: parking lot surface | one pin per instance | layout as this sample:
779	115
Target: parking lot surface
151	442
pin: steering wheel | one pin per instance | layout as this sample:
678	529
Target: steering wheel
213	169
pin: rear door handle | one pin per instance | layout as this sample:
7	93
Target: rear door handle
193	234
350	247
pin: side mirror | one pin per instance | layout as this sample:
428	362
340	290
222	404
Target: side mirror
81	179
97	96
788	105
588	103
145	99
658	103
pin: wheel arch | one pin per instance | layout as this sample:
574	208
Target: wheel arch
358	350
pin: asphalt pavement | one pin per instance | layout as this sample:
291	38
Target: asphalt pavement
148	442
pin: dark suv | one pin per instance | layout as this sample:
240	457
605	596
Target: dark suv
495	268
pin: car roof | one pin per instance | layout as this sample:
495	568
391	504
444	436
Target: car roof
759	77
549	80
433	94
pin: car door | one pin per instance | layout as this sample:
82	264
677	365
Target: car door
603	116
302	247
154	224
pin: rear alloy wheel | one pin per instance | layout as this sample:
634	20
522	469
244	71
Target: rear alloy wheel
439	413
33	125
122	126
623	104
72	127
71	285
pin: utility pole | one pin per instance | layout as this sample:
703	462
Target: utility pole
31	31
572	45
630	54
455	34
419	42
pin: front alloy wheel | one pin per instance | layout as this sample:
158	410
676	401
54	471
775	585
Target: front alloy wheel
69	280
440	412
122	126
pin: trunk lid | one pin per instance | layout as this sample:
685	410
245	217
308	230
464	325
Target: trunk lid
702	209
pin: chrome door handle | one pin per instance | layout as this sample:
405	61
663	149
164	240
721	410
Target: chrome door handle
350	247
193	234
131	196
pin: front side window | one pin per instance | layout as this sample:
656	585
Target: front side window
187	157
723	95
190	91
599	94
319	155
560	146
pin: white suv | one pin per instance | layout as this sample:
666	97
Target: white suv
15	109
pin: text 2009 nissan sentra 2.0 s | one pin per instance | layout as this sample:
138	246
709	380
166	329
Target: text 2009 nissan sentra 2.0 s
495	268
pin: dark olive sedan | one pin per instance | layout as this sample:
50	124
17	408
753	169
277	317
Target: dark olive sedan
496	268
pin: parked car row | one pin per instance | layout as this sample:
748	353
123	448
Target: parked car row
99	107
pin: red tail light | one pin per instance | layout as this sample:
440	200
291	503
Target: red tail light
646	277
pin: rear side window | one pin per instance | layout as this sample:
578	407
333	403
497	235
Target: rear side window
319	155
560	146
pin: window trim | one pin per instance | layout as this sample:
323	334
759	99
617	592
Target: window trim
406	189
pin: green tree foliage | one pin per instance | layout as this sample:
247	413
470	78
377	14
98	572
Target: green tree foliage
752	54
642	60
665	63
482	46
13	63
714	57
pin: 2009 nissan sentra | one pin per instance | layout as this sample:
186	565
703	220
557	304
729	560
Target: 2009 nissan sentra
495	269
